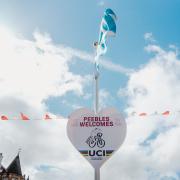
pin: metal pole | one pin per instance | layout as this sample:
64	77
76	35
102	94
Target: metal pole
97	174
96	77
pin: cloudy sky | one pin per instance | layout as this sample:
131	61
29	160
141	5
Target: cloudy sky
46	65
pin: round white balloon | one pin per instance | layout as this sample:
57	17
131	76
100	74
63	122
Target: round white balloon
96	136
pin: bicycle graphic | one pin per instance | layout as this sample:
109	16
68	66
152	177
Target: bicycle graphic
95	139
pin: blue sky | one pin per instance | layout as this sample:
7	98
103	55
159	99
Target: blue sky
74	25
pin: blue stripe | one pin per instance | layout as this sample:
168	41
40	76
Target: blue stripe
111	13
110	23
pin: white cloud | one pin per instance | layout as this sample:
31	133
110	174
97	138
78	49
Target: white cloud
105	98
116	67
34	70
149	37
40	69
152	141
101	3
107	64
43	143
156	83
30	72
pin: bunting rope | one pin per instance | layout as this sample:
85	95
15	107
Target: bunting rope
143	114
24	117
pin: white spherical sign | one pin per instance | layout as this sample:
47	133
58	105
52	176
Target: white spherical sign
96	136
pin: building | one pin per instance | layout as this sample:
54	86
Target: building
13	171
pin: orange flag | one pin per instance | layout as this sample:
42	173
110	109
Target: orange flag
142	114
4	118
166	113
24	117
47	117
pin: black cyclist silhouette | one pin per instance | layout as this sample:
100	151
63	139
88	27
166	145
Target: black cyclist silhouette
95	139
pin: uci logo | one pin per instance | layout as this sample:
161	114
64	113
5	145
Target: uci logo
97	153
100	153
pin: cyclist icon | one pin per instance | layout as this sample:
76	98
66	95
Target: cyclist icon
95	139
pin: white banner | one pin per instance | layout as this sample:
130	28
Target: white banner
98	136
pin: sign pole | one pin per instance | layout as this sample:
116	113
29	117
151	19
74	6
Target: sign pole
96	77
97	173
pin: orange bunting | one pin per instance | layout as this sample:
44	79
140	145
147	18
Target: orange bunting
24	117
4	118
142	114
166	113
47	117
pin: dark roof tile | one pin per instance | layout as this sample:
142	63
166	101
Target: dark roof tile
15	166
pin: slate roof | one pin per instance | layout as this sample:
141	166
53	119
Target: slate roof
15	166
